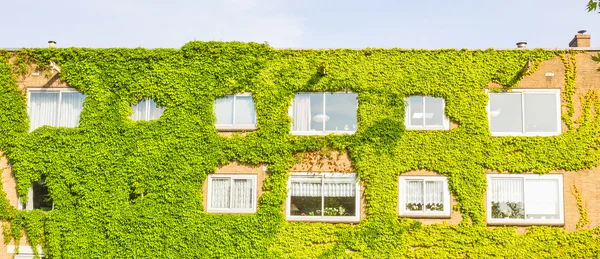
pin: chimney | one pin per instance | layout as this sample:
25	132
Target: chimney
51	44
581	40
521	45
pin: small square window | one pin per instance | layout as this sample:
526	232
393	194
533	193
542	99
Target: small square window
235	112
231	193
423	196
146	110
323	197
525	112
323	113
58	107
525	199
425	113
38	197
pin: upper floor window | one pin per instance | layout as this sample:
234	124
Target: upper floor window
323	197
38	198
423	196
235	112
525	199
525	112
323	113
425	113
146	110
231	193
59	107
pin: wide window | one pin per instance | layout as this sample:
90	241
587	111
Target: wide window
231	193
59	107
423	196
425	113
324	113
525	112
525	199
38	198
235	112
146	110
323	197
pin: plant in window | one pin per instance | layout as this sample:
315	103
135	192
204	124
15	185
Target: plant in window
435	207
511	210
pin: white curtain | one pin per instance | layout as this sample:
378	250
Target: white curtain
306	188
339	189
506	190
43	109
434	192
414	192
139	111
242	194
224	110
301	112
541	197
220	193
71	105
154	112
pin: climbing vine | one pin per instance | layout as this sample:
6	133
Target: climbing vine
97	172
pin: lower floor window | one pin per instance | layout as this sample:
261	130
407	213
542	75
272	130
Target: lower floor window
38	197
231	193
423	196
525	199
323	197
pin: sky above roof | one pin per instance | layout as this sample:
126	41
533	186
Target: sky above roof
427	24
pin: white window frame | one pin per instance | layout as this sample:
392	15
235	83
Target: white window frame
323	175
402	211
525	221
25	252
232	177
407	121
58	90
29	204
147	115
233	125
323	132
523	133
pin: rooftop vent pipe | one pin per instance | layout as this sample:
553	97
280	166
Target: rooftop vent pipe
521	45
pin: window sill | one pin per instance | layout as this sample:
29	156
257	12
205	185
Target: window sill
224	211
236	128
427	128
330	219
557	223
529	134
321	133
425	216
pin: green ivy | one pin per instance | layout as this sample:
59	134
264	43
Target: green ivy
94	169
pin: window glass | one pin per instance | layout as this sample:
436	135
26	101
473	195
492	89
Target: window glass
224	110
70	108
505	112
338	115
341	110
146	110
540	112
434	111
542	206
306	196
339	196
424	195
38	197
235	112
415	107
154	112
244	110
55	107
232	193
507	198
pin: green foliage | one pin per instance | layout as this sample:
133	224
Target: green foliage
593	5
97	172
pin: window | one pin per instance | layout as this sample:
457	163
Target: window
235	112
323	197
59	107
38	198
525	112
231	193
146	110
525	199
25	252
425	113
423	196
323	113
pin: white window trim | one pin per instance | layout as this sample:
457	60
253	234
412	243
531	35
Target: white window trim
57	90
29	204
407	122
147	115
232	177
233	126
523	133
24	250
402	197
348	219
559	221
323	132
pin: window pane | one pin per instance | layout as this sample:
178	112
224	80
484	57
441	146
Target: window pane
244	110
301	107
340	196
316	112
415	110
506	195
70	109
224	110
43	108
540	112
306	196
505	112
220	193
41	198
242	194
434	196
434	111
542	199
139	110
155	111
341	111
414	195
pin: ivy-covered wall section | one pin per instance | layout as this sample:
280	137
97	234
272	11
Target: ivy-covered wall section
93	170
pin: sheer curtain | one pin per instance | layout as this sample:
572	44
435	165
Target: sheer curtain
242	194
154	112
71	105
306	188
339	188
301	112
414	192
541	198
506	190
224	110
43	109
139	111
220	193
434	192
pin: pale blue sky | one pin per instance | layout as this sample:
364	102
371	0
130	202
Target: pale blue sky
297	23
